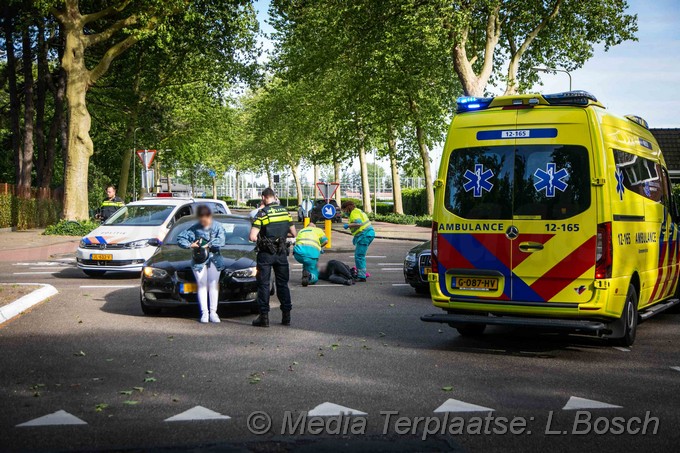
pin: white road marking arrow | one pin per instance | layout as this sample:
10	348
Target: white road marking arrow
452	405
331	409
60	417
576	403
197	413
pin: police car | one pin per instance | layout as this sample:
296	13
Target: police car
552	212
130	236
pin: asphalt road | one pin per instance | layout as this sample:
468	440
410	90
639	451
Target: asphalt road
89	351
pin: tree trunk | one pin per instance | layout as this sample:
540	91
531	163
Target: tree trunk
14	103
214	188
41	95
394	168
29	116
317	175
295	169
337	169
270	177
424	156
365	187
55	129
80	146
237	182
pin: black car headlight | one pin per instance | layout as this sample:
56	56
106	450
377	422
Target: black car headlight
410	259
248	272
154	272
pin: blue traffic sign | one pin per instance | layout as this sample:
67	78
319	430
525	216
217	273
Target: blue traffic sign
212	173
328	211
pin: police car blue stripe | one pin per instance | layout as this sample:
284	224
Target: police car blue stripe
101	240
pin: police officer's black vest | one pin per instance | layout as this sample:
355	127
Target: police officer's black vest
275	222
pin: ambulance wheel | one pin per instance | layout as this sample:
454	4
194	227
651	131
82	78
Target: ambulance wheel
471	330
629	319
94	273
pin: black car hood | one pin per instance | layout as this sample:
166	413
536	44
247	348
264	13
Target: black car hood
174	258
421	247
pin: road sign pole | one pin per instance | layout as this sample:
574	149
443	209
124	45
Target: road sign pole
305	222
327	227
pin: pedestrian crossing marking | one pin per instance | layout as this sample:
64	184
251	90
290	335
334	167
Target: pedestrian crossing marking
452	405
577	403
197	413
61	417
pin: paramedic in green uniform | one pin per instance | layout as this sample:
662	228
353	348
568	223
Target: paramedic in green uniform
363	234
307	250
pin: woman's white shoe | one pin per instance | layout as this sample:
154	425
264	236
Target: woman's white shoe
214	317
204	318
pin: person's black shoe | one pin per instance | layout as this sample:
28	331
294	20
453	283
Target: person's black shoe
305	280
262	320
285	318
360	280
349	282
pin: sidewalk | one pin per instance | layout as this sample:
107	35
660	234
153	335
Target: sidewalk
385	230
31	245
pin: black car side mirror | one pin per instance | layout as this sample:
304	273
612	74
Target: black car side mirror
153	242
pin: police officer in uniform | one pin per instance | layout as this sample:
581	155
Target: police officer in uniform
271	227
111	204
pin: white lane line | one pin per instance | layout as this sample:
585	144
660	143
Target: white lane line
108	286
401	284
197	413
621	348
452	405
577	403
331	410
371	256
390	264
34	273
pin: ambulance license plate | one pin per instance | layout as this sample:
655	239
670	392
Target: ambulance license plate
101	257
476	283
426	270
188	288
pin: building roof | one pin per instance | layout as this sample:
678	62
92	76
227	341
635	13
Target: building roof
669	142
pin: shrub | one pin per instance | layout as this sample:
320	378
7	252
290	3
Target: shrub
71	228
414	201
5	210
402	219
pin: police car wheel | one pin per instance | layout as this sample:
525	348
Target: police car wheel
629	319
471	330
90	273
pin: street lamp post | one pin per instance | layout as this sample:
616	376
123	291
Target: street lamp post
536	69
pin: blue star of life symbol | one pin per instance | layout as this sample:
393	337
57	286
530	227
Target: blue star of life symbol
478	180
620	188
551	179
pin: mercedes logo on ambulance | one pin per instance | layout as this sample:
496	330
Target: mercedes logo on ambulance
512	232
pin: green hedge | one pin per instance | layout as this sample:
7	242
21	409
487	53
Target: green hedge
403	219
71	228
414	201
27	213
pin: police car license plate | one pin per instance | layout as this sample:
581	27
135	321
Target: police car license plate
476	283
188	288
101	257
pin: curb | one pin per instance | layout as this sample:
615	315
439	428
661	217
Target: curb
23	303
379	236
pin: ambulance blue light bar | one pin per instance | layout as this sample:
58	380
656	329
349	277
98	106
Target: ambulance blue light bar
578	97
471	103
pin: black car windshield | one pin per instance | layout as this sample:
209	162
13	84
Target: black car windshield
237	231
140	215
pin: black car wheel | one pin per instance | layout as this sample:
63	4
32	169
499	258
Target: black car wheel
90	273
147	310
423	289
629	319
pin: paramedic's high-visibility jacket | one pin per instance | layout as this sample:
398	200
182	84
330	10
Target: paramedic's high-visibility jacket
359	217
311	237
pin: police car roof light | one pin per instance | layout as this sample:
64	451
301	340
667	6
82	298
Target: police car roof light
577	97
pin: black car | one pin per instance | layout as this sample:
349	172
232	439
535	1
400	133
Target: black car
168	281
417	265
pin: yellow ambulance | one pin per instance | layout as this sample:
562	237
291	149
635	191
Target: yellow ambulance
551	212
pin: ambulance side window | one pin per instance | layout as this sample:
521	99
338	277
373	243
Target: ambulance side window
641	176
669	200
479	182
